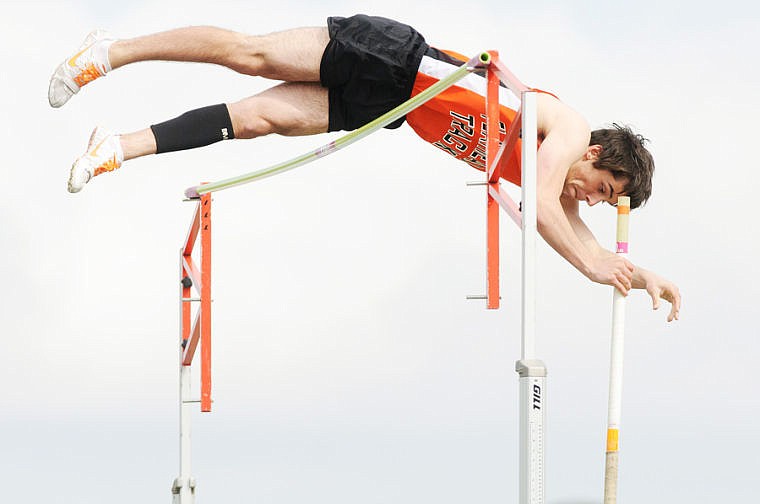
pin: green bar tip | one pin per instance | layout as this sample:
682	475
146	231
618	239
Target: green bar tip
485	58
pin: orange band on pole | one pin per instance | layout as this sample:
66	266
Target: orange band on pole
612	440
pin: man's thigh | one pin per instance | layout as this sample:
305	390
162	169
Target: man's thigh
293	55
290	108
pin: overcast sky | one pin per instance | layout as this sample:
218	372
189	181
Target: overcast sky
348	366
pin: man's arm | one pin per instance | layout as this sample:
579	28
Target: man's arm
565	140
657	287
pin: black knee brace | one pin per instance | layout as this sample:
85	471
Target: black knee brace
195	128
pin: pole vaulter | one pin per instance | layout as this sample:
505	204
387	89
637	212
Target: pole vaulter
323	74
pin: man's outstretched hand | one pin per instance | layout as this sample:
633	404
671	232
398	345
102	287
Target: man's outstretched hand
660	288
612	269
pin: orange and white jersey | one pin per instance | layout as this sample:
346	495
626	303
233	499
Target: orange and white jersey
455	120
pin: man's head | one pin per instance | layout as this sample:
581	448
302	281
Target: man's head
623	154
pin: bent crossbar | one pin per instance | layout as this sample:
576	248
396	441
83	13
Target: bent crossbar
478	61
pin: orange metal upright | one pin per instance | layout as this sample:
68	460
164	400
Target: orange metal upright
492	147
498	73
191	277
206	303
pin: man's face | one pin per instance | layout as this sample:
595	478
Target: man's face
586	183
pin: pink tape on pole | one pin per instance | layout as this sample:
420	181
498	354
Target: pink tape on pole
622	247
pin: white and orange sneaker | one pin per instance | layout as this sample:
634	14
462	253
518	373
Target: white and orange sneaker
89	63
104	154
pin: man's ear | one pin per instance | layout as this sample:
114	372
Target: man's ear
593	152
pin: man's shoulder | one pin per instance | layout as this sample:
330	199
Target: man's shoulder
553	113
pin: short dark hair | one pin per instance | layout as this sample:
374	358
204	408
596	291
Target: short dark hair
625	156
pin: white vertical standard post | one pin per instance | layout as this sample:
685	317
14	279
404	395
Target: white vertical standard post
183	488
532	372
616	363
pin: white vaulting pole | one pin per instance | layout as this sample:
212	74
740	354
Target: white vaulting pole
532	371
616	363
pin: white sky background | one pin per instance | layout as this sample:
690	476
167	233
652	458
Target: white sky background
348	366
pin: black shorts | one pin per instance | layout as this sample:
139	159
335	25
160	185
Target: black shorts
369	67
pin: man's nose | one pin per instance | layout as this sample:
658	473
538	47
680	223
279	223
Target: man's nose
592	200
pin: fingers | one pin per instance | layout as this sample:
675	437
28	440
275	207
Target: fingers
623	284
675	300
669	293
615	271
623	276
620	287
674	309
630	266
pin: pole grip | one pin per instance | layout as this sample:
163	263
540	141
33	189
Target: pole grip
611	478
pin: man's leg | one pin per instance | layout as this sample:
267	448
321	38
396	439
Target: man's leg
290	109
292	55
